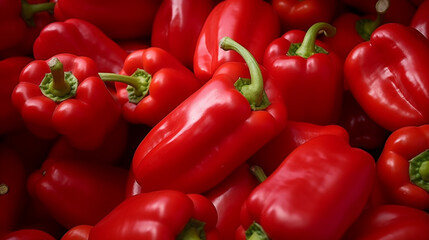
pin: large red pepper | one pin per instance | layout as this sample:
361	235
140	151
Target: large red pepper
213	131
10	69
177	26
390	222
388	76
130	19
307	73
63	95
80	38
161	215
76	192
153	82
420	20
254	24
318	191
403	167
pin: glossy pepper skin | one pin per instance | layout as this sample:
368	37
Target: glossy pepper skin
71	111
77	192
152	84
404	180
254	24
79	232
158	215
178	24
318	191
28	234
81	38
307	73
212	132
390	222
130	19
388	76
420	20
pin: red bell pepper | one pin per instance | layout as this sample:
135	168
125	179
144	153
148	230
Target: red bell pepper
403	167
10	68
272	154
153	82
303	14
420	20
318	191
126	19
76	191
28	234
254	24
160	215
308	74
79	232
177	26
213	131
80	38
390	222
228	196
63	95
388	76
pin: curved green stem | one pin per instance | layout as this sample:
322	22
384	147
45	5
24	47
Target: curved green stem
308	45
28	10
258	172
256	232
194	230
253	89
365	27
58	85
419	170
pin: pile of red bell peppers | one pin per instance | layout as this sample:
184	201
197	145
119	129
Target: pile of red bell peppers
214	119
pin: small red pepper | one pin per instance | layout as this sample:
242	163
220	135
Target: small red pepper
254	24
80	38
420	20
28	234
316	193
387	75
153	82
403	167
213	131
79	232
160	215
307	73
63	95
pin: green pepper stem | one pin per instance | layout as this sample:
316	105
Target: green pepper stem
194	230
129	80
28	10
308	46
4	188
254	91
258	172
424	171
369	26
58	85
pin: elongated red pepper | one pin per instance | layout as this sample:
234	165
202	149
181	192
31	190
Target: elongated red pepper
403	167
177	26
390	222
80	38
254	24
318	191
166	214
387	75
153	82
308	74
64	96
213	131
130	19
420	20
76	192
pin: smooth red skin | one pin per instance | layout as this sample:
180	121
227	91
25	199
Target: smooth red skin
10	68
399	11
228	196
85	119
420	20
178	24
207	136
388	76
28	234
392	166
295	14
12	173
171	83
316	193
272	154
363	131
311	87
253	24
390	222
77	192
154	215
130	19
81	38
79	232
